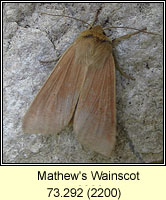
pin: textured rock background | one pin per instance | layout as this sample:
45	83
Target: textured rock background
30	37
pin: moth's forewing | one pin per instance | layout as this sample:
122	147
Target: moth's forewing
54	105
95	116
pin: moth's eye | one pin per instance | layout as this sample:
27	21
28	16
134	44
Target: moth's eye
104	33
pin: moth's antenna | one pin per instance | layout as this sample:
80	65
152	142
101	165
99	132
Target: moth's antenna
43	13
96	16
132	29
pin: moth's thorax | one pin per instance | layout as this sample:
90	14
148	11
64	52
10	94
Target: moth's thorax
96	32
93	48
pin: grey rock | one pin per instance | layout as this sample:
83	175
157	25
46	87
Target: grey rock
30	37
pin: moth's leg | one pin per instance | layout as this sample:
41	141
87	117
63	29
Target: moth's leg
120	70
124	37
115	42
49	61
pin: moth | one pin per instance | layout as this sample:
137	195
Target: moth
81	90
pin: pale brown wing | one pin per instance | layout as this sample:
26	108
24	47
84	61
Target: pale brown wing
95	117
53	107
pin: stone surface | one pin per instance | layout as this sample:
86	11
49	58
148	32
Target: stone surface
30	37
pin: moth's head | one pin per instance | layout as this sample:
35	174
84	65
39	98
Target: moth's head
94	32
97	29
